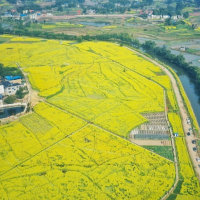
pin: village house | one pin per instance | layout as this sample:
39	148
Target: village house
10	88
10	85
175	17
182	48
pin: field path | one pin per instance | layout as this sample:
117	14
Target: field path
33	97
183	112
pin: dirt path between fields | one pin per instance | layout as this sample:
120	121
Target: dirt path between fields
33	98
183	112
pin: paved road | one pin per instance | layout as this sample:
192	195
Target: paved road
183	113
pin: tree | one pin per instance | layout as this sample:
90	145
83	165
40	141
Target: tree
79	39
148	2
149	45
180	59
60	8
197	2
12	1
169	1
194	26
179	6
10	99
168	21
19	93
186	15
1	29
135	42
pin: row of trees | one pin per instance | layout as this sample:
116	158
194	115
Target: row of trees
170	10
28	7
125	5
188	2
10	71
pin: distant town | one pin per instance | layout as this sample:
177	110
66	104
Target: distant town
34	12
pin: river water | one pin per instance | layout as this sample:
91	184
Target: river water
7	112
186	80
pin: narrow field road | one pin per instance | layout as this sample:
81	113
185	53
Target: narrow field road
33	97
183	112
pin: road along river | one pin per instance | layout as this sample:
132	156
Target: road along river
183	112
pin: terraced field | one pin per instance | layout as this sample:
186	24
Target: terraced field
73	145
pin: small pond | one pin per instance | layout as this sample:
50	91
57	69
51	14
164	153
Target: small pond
7	112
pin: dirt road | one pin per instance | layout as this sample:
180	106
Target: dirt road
183	112
53	17
33	97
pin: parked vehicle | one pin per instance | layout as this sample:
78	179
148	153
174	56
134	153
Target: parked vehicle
188	133
193	141
195	149
198	159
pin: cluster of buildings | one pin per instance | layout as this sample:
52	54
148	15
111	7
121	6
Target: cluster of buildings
175	17
9	86
27	14
150	15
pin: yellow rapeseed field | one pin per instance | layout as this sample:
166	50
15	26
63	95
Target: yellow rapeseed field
90	164
175	122
72	146
190	184
92	80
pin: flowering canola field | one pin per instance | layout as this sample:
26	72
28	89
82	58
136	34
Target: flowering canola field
89	164
103	83
190	187
72	146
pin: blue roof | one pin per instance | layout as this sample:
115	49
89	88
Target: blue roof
10	78
23	15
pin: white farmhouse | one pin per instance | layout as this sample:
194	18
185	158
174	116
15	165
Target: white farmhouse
10	88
